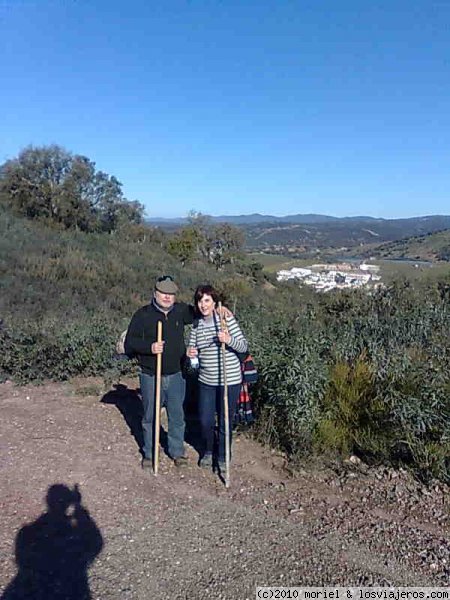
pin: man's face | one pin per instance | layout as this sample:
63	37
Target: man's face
165	301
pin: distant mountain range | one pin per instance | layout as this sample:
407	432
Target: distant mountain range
339	233
306	234
258	218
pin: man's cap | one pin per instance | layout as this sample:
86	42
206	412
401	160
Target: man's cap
166	285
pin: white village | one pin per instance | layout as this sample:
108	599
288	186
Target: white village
326	277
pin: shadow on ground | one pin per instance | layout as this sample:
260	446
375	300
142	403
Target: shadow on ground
54	552
129	403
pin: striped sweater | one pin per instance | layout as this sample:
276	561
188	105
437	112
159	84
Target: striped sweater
204	338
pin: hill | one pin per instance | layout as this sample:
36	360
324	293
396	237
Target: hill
297	218
429	247
340	234
50	272
306	234
251	219
67	295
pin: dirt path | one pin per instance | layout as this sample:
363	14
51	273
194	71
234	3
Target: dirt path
181	534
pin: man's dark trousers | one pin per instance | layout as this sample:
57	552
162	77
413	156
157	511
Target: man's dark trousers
172	397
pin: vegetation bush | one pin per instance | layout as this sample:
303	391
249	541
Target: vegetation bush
288	351
351	413
340	373
358	373
58	351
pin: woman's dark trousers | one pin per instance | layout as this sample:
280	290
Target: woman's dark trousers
210	403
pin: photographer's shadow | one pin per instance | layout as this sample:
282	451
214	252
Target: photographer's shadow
129	403
53	554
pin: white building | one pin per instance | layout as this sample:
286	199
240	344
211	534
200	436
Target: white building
372	268
327	277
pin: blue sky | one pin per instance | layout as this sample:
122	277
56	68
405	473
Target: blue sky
231	107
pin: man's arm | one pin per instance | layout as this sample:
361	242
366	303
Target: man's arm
137	340
225	312
190	312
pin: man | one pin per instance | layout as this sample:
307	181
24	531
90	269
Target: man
141	341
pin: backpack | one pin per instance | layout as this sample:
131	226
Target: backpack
249	372
120	344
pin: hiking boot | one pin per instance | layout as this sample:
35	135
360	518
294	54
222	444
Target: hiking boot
206	462
222	466
147	464
180	461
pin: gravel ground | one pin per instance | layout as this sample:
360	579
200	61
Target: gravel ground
127	534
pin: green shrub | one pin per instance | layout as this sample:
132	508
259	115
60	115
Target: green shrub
58	351
353	419
354	372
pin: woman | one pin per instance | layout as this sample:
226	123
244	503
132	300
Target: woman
205	342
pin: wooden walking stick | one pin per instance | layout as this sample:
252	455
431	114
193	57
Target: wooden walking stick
225	404
157	400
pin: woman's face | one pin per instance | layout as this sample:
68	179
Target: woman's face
206	305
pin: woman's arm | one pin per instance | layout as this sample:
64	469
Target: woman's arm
234	338
192	343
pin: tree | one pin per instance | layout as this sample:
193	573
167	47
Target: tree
218	244
49	183
201	227
183	245
227	243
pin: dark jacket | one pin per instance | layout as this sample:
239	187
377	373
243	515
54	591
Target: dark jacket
142	332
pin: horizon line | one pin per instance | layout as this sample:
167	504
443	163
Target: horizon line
278	216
